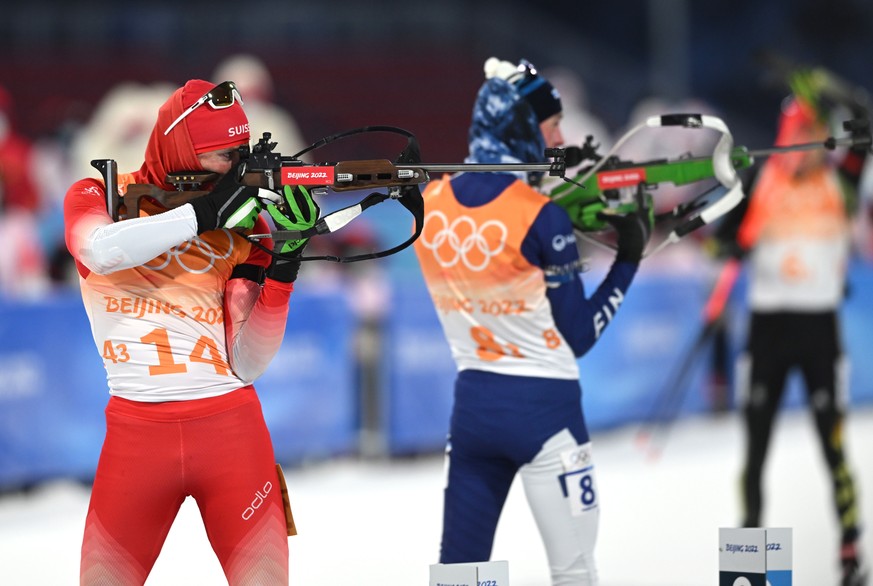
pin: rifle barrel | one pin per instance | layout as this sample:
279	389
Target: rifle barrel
830	144
458	167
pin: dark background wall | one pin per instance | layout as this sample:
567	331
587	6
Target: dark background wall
418	64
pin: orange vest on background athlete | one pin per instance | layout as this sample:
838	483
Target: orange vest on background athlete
490	300
798	233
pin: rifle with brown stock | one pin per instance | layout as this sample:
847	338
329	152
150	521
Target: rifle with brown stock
266	169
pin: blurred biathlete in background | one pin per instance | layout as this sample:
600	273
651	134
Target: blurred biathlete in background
796	231
502	267
186	313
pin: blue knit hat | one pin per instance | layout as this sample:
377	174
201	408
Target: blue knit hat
538	92
509	108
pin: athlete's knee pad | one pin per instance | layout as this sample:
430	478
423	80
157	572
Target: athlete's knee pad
562	493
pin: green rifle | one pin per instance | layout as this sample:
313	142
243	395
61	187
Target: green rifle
609	182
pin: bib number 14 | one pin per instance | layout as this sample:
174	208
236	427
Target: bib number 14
205	351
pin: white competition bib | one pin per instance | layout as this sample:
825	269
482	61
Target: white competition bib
578	479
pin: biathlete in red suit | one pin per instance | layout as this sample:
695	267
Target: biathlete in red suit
185	313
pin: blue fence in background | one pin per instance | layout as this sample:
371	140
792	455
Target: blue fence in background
53	388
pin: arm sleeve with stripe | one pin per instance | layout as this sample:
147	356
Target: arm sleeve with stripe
580	319
104	246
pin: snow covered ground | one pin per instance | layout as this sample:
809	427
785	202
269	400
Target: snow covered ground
378	523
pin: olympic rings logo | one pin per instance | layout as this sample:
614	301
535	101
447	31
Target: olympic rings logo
473	249
579	458
203	250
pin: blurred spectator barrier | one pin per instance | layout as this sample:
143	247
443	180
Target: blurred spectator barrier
53	389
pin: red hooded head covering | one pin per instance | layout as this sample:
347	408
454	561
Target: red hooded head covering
204	129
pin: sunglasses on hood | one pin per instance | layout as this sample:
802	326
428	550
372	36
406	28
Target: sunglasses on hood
221	96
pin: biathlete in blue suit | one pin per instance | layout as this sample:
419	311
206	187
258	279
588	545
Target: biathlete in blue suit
503	269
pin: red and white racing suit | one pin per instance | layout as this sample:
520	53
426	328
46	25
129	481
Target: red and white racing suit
183	327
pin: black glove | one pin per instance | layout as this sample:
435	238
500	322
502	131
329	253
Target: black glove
298	212
285	269
633	231
229	204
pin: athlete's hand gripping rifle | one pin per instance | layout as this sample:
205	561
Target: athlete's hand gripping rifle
611	182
